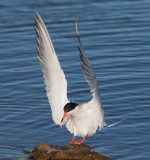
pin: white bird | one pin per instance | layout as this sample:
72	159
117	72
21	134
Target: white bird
80	119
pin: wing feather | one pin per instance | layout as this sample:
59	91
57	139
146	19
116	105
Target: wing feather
91	80
54	78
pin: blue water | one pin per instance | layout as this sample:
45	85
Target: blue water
116	38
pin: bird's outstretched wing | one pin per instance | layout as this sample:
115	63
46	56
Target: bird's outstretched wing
54	78
91	79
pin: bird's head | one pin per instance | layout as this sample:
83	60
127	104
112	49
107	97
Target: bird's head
68	109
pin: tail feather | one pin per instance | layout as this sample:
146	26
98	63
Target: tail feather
108	126
102	125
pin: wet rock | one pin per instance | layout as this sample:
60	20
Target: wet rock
26	151
41	152
44	151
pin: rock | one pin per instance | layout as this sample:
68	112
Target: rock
41	152
44	151
26	151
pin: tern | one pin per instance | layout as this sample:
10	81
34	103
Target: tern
81	119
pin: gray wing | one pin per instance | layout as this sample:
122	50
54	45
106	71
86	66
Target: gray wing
54	78
91	80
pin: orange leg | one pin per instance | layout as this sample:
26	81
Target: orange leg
72	140
79	142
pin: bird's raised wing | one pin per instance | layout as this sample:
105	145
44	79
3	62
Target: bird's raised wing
54	78
91	80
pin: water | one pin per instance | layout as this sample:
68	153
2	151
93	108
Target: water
116	37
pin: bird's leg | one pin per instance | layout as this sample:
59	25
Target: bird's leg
79	142
72	140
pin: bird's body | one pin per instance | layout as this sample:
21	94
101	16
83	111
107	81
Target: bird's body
80	119
84	121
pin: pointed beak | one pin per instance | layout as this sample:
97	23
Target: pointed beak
64	116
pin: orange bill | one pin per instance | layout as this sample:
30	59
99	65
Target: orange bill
64	116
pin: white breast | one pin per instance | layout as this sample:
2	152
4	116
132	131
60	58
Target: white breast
84	121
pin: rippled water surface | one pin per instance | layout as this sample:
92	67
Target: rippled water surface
116	38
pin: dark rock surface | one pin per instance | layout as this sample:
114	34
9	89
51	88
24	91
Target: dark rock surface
44	151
